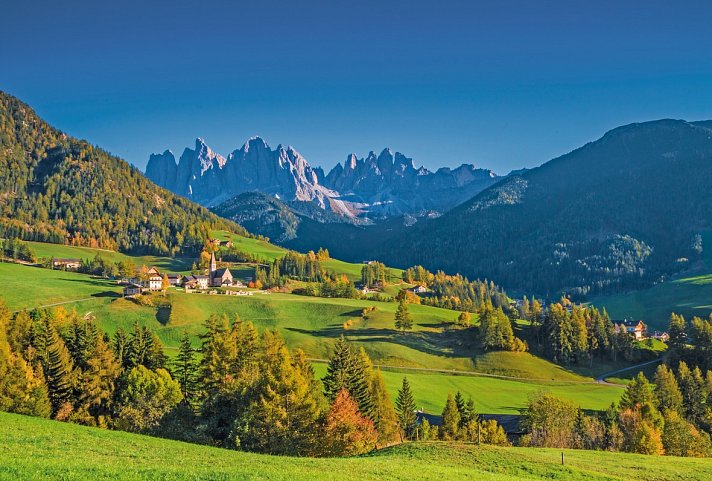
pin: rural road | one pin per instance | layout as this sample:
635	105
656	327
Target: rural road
602	378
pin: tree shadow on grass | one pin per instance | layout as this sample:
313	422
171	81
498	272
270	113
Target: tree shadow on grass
111	294
445	344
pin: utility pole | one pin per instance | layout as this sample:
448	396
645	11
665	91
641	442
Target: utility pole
562	458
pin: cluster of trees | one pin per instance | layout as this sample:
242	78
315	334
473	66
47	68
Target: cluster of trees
495	331
59	365
62	190
374	274
247	391
672	415
332	286
457	292
304	267
15	249
572	334
460	421
691	342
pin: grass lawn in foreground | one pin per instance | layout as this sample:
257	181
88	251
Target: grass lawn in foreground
44	450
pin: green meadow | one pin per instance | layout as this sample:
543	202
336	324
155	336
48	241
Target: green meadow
313	324
44	450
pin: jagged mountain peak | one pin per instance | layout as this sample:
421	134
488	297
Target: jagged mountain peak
379	185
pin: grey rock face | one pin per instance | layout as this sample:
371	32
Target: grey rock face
377	186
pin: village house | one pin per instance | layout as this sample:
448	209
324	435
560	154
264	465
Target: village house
154	282
195	282
636	328
661	336
175	279
420	289
66	264
132	289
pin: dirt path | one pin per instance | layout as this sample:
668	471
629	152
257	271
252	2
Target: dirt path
602	378
56	304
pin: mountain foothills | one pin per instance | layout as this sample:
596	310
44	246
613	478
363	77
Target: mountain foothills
56	188
373	187
619	213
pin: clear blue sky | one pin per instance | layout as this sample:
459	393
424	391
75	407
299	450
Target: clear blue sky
502	84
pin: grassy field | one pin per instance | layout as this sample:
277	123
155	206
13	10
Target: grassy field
313	324
689	295
44	250
45	450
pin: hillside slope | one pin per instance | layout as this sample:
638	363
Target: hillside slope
59	189
619	213
39	449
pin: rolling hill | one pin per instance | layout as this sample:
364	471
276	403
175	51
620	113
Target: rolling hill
617	214
38	449
59	189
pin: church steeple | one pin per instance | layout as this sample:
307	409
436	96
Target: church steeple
213	264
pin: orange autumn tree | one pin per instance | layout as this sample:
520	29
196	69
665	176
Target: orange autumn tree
348	433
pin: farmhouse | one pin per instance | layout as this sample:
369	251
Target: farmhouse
175	279
66	264
637	328
131	290
195	282
154	282
420	289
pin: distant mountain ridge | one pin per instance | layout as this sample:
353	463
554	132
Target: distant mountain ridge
619	213
377	186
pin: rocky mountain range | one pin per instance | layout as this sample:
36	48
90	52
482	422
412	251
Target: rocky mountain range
373	187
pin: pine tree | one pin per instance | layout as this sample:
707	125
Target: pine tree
384	414
186	369
667	390
96	385
22	390
351	371
57	367
285	416
450	427
405	408
404	321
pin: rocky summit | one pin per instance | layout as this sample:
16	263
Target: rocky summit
374	187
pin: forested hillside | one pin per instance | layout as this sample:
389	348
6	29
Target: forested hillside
623	212
56	188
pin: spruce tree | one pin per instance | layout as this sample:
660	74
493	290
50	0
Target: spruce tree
186	369
57	367
405	408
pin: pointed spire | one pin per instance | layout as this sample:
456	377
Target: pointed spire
213	265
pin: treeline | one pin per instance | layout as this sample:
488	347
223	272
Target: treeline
672	416
240	389
66	191
303	267
15	249
572	334
374	274
457	292
690	342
